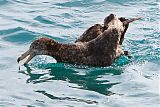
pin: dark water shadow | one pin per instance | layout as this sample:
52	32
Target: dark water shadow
66	98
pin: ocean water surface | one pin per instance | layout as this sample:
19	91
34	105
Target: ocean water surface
42	83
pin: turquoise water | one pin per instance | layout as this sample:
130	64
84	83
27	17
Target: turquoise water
127	83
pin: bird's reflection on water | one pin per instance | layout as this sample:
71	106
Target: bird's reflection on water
91	80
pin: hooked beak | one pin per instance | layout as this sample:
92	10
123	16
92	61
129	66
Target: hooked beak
27	56
131	20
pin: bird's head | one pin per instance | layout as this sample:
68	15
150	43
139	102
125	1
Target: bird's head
42	46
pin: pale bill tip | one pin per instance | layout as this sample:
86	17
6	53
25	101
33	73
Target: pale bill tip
22	62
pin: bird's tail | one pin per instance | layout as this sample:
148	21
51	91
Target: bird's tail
131	20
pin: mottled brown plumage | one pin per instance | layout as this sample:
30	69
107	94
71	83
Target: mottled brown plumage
97	29
91	33
99	51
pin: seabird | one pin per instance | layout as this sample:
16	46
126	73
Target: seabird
100	51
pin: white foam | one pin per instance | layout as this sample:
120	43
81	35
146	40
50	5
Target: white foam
49	59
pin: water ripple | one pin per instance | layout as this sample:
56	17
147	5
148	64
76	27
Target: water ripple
44	20
18	35
133	82
3	2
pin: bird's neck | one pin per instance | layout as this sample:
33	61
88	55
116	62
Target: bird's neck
65	52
